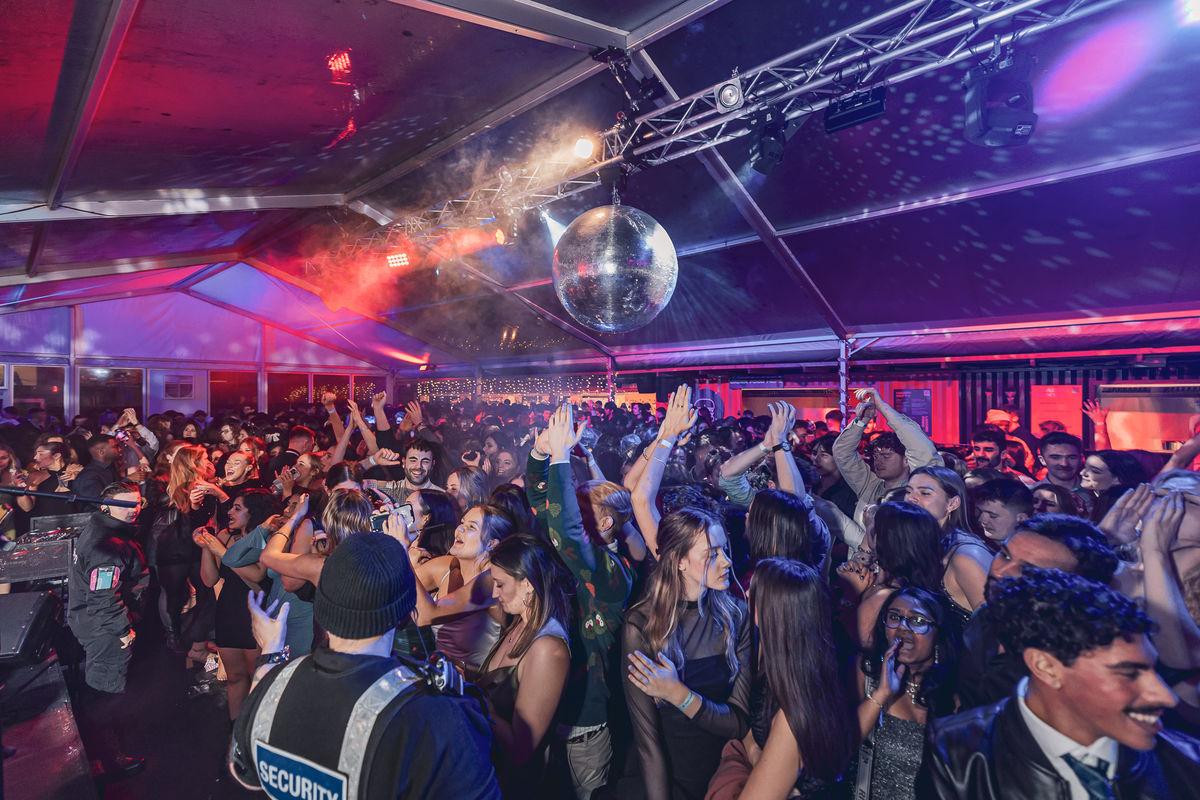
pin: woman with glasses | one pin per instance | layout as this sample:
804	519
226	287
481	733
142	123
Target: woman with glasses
907	676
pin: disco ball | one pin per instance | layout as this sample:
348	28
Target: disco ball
615	269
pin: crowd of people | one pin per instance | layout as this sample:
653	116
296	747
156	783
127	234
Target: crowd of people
599	601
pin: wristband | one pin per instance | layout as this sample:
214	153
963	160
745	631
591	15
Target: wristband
882	707
278	657
764	448
370	458
787	448
665	443
687	701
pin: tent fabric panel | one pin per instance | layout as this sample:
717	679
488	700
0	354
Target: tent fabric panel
230	94
168	327
284	348
247	288
45	331
80	290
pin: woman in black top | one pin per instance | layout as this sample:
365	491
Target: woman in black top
802	735
234	637
50	464
687	649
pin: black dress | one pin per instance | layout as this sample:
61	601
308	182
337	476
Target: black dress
678	755
233	614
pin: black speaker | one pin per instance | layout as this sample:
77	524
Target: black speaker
999	97
27	621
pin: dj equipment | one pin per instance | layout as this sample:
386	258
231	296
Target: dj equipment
45	552
27	622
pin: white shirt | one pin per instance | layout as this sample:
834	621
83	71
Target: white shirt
1056	745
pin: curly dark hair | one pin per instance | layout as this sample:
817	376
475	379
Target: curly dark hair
1061	613
1095	560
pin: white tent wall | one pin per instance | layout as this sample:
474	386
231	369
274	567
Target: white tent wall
170	338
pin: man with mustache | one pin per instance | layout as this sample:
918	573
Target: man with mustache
988	674
1087	722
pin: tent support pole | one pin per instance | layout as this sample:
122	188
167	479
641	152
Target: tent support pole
843	377
478	382
262	367
71	385
610	378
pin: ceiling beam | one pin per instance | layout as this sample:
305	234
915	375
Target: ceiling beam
164	202
748	207
121	266
71	299
368	358
652	31
202	274
528	19
117	23
35	250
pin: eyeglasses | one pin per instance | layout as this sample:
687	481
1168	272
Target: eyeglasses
917	624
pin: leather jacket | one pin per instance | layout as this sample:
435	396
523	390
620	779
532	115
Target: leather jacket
988	753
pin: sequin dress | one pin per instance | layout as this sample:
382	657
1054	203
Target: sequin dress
898	745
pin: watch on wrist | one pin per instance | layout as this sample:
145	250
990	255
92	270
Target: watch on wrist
784	446
763	448
278	657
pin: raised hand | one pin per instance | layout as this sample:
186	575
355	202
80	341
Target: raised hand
680	414
328	399
868	394
387	458
541	442
783	415
1097	413
301	509
865	411
856	577
892	674
412	414
379	399
563	434
354	412
270	629
1120	524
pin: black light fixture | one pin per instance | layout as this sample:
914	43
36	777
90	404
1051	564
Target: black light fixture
855	109
771	137
999	98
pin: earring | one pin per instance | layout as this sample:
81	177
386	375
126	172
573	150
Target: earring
936	650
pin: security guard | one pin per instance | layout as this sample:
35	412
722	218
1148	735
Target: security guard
350	721
106	569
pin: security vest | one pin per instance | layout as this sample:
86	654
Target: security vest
290	775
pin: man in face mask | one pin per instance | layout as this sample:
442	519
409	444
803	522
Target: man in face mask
107	566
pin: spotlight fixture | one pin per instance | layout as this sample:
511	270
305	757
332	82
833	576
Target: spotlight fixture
508	228
426	367
729	95
584	147
397	260
999	99
339	67
774	132
1189	12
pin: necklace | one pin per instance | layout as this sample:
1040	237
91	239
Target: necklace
911	688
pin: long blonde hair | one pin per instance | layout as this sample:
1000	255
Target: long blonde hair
184	472
664	594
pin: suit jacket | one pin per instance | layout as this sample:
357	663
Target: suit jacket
988	753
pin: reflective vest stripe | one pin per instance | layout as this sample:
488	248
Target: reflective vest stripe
362	721
265	718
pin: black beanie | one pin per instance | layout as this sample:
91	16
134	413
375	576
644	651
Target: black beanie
366	587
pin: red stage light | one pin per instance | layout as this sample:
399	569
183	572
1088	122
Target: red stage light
397	260
339	65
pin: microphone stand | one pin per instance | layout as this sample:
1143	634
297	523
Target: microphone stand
74	498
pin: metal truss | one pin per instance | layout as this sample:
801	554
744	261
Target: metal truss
911	39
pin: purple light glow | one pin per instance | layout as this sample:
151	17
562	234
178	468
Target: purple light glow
1099	69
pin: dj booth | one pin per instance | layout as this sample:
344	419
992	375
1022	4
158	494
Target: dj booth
35	706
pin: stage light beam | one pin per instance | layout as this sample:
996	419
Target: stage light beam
554	227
